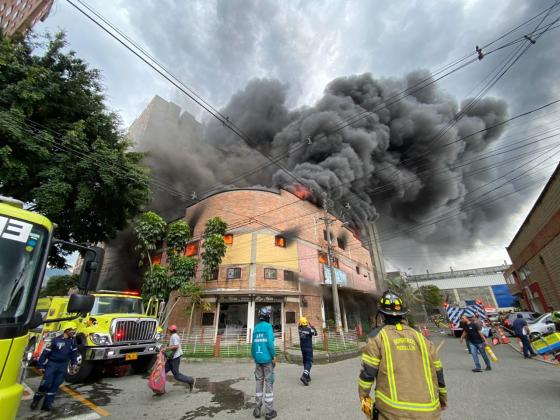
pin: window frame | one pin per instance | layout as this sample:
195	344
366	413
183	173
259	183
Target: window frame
195	244
235	270
270	269
280	241
291	313
289	273
202	319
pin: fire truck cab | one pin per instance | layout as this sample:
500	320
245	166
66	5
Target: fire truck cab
117	330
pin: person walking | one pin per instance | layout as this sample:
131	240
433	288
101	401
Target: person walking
175	352
404	366
262	350
56	355
462	324
521	331
477	342
306	333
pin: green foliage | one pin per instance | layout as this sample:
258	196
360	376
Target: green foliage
411	297
178	236
181	269
59	285
214	251
155	283
62	151
149	230
194	292
215	226
431	296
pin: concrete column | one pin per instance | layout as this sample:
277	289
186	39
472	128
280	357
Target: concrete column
344	317
217	320
282	320
250	319
456	294
376	256
253	265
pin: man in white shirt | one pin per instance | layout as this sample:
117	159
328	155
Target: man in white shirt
172	363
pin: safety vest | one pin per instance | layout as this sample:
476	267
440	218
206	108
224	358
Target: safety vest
406	380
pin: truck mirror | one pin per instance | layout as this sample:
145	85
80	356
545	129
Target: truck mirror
91	268
36	320
80	303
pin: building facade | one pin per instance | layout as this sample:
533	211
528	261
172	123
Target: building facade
535	252
464	287
276	256
18	16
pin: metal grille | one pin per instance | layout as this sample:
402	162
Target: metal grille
128	330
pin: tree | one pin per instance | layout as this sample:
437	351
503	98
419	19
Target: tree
214	246
62	151
59	285
431	296
407	293
149	230
159	281
194	292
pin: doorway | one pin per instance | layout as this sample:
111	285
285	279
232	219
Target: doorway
275	315
232	318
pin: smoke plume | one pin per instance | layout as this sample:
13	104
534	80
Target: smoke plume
401	163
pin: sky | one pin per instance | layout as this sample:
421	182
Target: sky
218	47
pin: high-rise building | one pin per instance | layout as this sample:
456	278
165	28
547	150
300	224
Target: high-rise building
18	16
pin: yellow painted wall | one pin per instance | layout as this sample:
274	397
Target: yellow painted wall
274	256
239	252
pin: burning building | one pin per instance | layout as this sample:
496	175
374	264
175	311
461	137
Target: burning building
276	256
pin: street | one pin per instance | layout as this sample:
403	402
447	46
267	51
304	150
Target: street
516	388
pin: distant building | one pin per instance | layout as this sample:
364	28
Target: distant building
463	287
535	252
18	16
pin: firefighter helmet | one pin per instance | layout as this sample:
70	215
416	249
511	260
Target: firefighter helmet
391	304
303	321
68	325
264	313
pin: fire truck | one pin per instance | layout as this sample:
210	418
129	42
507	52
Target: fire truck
25	241
117	330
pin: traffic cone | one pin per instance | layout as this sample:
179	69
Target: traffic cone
503	338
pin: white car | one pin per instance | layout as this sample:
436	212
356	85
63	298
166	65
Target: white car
541	326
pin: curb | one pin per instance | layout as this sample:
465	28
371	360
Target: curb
294	359
516	349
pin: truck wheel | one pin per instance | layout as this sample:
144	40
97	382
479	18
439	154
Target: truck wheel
143	364
83	369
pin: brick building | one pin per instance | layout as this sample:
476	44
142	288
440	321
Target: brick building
276	255
535	251
18	16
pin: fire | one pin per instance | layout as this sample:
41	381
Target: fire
301	191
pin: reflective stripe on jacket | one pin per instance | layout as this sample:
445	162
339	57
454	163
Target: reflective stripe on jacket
407	372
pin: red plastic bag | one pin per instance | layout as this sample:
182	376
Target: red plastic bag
157	377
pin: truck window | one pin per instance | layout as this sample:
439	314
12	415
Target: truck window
22	248
117	305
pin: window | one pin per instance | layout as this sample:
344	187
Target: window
228	239
341	243
233	273
322	257
270	273
215	274
207	319
156	259
280	241
289	275
290	317
358	269
192	249
324	234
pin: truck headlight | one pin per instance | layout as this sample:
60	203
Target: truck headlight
100	339
158	336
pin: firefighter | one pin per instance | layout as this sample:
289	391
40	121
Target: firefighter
61	350
405	367
306	333
262	350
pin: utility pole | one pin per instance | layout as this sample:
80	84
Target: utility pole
328	221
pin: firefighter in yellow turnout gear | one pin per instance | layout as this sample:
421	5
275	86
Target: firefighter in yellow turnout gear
405	368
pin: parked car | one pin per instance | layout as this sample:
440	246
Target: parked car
541	326
527	316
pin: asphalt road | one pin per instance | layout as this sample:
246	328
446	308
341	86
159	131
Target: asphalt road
515	389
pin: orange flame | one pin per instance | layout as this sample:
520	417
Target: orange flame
301	191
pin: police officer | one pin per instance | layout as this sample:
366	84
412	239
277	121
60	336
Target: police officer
306	333
262	350
405	367
61	350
